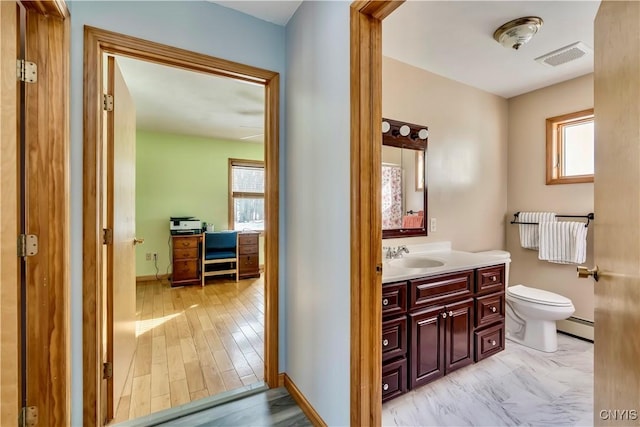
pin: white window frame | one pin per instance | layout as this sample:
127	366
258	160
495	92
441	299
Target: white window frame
240	194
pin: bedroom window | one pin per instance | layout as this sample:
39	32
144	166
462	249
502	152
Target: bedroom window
570	148
246	189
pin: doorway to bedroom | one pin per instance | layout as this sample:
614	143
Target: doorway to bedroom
183	147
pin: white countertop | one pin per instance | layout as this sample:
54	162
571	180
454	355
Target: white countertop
453	261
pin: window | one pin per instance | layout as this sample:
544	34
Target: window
246	188
570	148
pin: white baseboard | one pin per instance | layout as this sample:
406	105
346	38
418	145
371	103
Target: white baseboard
576	326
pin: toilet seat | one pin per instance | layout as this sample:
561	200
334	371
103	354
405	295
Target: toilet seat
538	296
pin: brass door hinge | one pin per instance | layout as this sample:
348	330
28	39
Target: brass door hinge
27	245
107	236
28	416
107	370
107	102
26	71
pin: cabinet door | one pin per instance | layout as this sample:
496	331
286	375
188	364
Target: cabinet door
459	334
427	346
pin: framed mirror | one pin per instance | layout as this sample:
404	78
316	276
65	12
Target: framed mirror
404	172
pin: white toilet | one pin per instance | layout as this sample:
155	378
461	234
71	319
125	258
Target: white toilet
532	313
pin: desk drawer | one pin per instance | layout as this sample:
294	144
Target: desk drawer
185	270
185	253
248	249
185	242
248	238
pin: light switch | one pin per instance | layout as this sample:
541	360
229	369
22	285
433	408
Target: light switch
433	225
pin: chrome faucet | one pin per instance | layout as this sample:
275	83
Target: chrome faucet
393	253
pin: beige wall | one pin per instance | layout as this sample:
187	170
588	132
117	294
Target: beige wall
466	156
527	190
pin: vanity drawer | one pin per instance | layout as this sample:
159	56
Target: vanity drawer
490	279
185	253
433	290
394	379
489	309
394	299
489	341
394	338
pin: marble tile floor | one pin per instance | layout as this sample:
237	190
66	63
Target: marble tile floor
517	387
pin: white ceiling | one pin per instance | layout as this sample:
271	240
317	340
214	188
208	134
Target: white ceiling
450	38
184	102
455	39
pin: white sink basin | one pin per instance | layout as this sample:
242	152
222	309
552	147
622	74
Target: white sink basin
416	263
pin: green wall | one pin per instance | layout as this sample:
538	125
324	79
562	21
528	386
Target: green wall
179	175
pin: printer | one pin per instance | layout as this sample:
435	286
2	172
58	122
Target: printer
185	225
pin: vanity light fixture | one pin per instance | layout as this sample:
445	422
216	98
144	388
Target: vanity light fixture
517	32
385	127
405	130
422	134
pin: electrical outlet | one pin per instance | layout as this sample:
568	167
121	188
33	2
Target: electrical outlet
433	224
148	256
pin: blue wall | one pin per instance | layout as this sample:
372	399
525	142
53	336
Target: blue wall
198	26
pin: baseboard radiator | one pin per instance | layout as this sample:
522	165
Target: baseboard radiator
576	326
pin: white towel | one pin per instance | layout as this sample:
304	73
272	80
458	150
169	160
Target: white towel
529	233
563	242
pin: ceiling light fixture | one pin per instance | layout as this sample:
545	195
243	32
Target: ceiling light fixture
515	33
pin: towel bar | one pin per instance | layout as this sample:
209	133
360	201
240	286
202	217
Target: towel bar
588	216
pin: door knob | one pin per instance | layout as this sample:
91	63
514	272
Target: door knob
137	241
584	272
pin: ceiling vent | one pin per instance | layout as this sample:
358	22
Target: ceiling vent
565	54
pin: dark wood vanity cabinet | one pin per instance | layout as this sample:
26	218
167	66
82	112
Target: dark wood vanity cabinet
441	334
434	325
394	340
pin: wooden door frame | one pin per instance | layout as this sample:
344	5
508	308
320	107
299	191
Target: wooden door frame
96	43
366	211
47	146
9	225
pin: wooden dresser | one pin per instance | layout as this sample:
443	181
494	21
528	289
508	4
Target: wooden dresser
248	255
186	259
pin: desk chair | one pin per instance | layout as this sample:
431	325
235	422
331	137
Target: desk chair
220	248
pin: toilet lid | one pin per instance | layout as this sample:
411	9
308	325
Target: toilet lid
539	296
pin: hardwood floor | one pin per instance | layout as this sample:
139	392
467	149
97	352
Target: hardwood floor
273	407
193	342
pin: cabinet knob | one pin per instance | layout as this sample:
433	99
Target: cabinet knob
385	301
385	342
493	309
492	342
494	278
451	314
444	315
385	387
